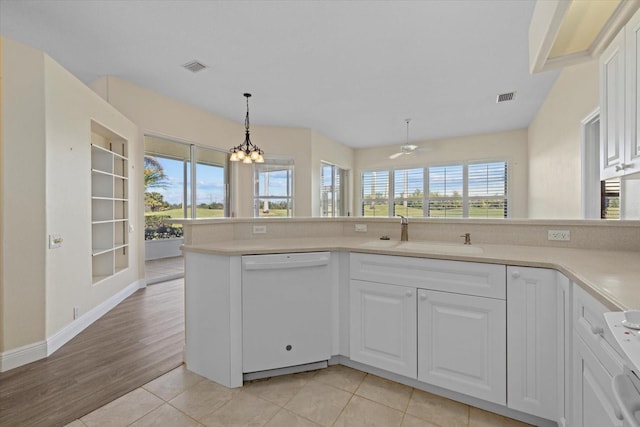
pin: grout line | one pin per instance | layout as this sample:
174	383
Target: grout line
342	410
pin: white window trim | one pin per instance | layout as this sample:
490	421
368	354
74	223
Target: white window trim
390	200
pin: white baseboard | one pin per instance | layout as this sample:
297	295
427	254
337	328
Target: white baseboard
67	333
36	351
22	355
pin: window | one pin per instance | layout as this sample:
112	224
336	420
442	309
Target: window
446	191
375	193
333	190
470	190
488	190
173	187
408	192
273	190
610	199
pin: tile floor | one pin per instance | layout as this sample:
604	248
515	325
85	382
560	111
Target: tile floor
160	270
336	396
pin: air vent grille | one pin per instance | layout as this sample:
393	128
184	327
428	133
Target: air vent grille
195	66
503	97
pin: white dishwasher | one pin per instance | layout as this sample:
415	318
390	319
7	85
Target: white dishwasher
286	309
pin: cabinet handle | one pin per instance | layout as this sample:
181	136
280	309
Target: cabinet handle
620	167
409	294
597	330
423	297
515	274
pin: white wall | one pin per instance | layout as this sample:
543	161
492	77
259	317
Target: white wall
554	143
510	146
46	164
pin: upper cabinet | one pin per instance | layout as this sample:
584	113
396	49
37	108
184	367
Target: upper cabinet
567	32
619	96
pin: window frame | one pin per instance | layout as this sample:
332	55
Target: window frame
339	205
285	162
426	194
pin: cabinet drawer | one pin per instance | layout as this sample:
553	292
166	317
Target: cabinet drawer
470	278
590	325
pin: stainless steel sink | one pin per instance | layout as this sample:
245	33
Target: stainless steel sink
443	248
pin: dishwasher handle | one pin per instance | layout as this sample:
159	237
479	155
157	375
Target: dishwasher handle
627	399
284	264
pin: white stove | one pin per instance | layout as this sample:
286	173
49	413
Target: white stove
625	328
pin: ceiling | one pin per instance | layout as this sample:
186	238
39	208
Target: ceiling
352	70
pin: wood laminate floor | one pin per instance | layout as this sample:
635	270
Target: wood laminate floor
139	340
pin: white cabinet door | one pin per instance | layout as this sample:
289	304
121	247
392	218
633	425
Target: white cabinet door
383	326
532	315
462	344
632	150
592	390
612	108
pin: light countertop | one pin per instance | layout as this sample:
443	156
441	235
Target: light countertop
612	277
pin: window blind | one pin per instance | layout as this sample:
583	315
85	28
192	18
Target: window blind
487	190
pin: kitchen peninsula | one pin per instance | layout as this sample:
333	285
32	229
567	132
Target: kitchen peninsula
513	288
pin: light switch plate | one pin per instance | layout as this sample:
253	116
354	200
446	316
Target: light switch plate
259	229
564	235
361	228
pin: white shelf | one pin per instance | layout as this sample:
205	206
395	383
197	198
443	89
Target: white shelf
109	203
109	221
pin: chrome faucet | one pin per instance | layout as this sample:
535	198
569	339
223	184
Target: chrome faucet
467	238
404	229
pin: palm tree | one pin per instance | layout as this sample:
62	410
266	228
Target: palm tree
154	176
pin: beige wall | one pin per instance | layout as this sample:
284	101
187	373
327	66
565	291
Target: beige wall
554	143
46	163
326	150
23	195
510	146
159	115
70	106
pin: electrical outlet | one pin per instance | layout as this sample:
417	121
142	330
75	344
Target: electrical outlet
76	312
55	241
563	235
361	228
259	229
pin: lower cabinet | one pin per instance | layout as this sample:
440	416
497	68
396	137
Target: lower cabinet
383	326
595	363
447	327
535	320
462	344
592	390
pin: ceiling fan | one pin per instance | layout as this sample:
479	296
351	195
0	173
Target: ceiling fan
406	148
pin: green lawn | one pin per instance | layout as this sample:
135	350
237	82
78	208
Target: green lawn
200	213
474	212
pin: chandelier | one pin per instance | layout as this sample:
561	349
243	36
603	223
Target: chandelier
247	152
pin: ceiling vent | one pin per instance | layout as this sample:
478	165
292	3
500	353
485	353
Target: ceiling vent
503	97
195	66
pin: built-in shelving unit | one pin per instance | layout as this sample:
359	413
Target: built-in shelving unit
109	203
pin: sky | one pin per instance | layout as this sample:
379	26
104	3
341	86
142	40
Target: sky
210	182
